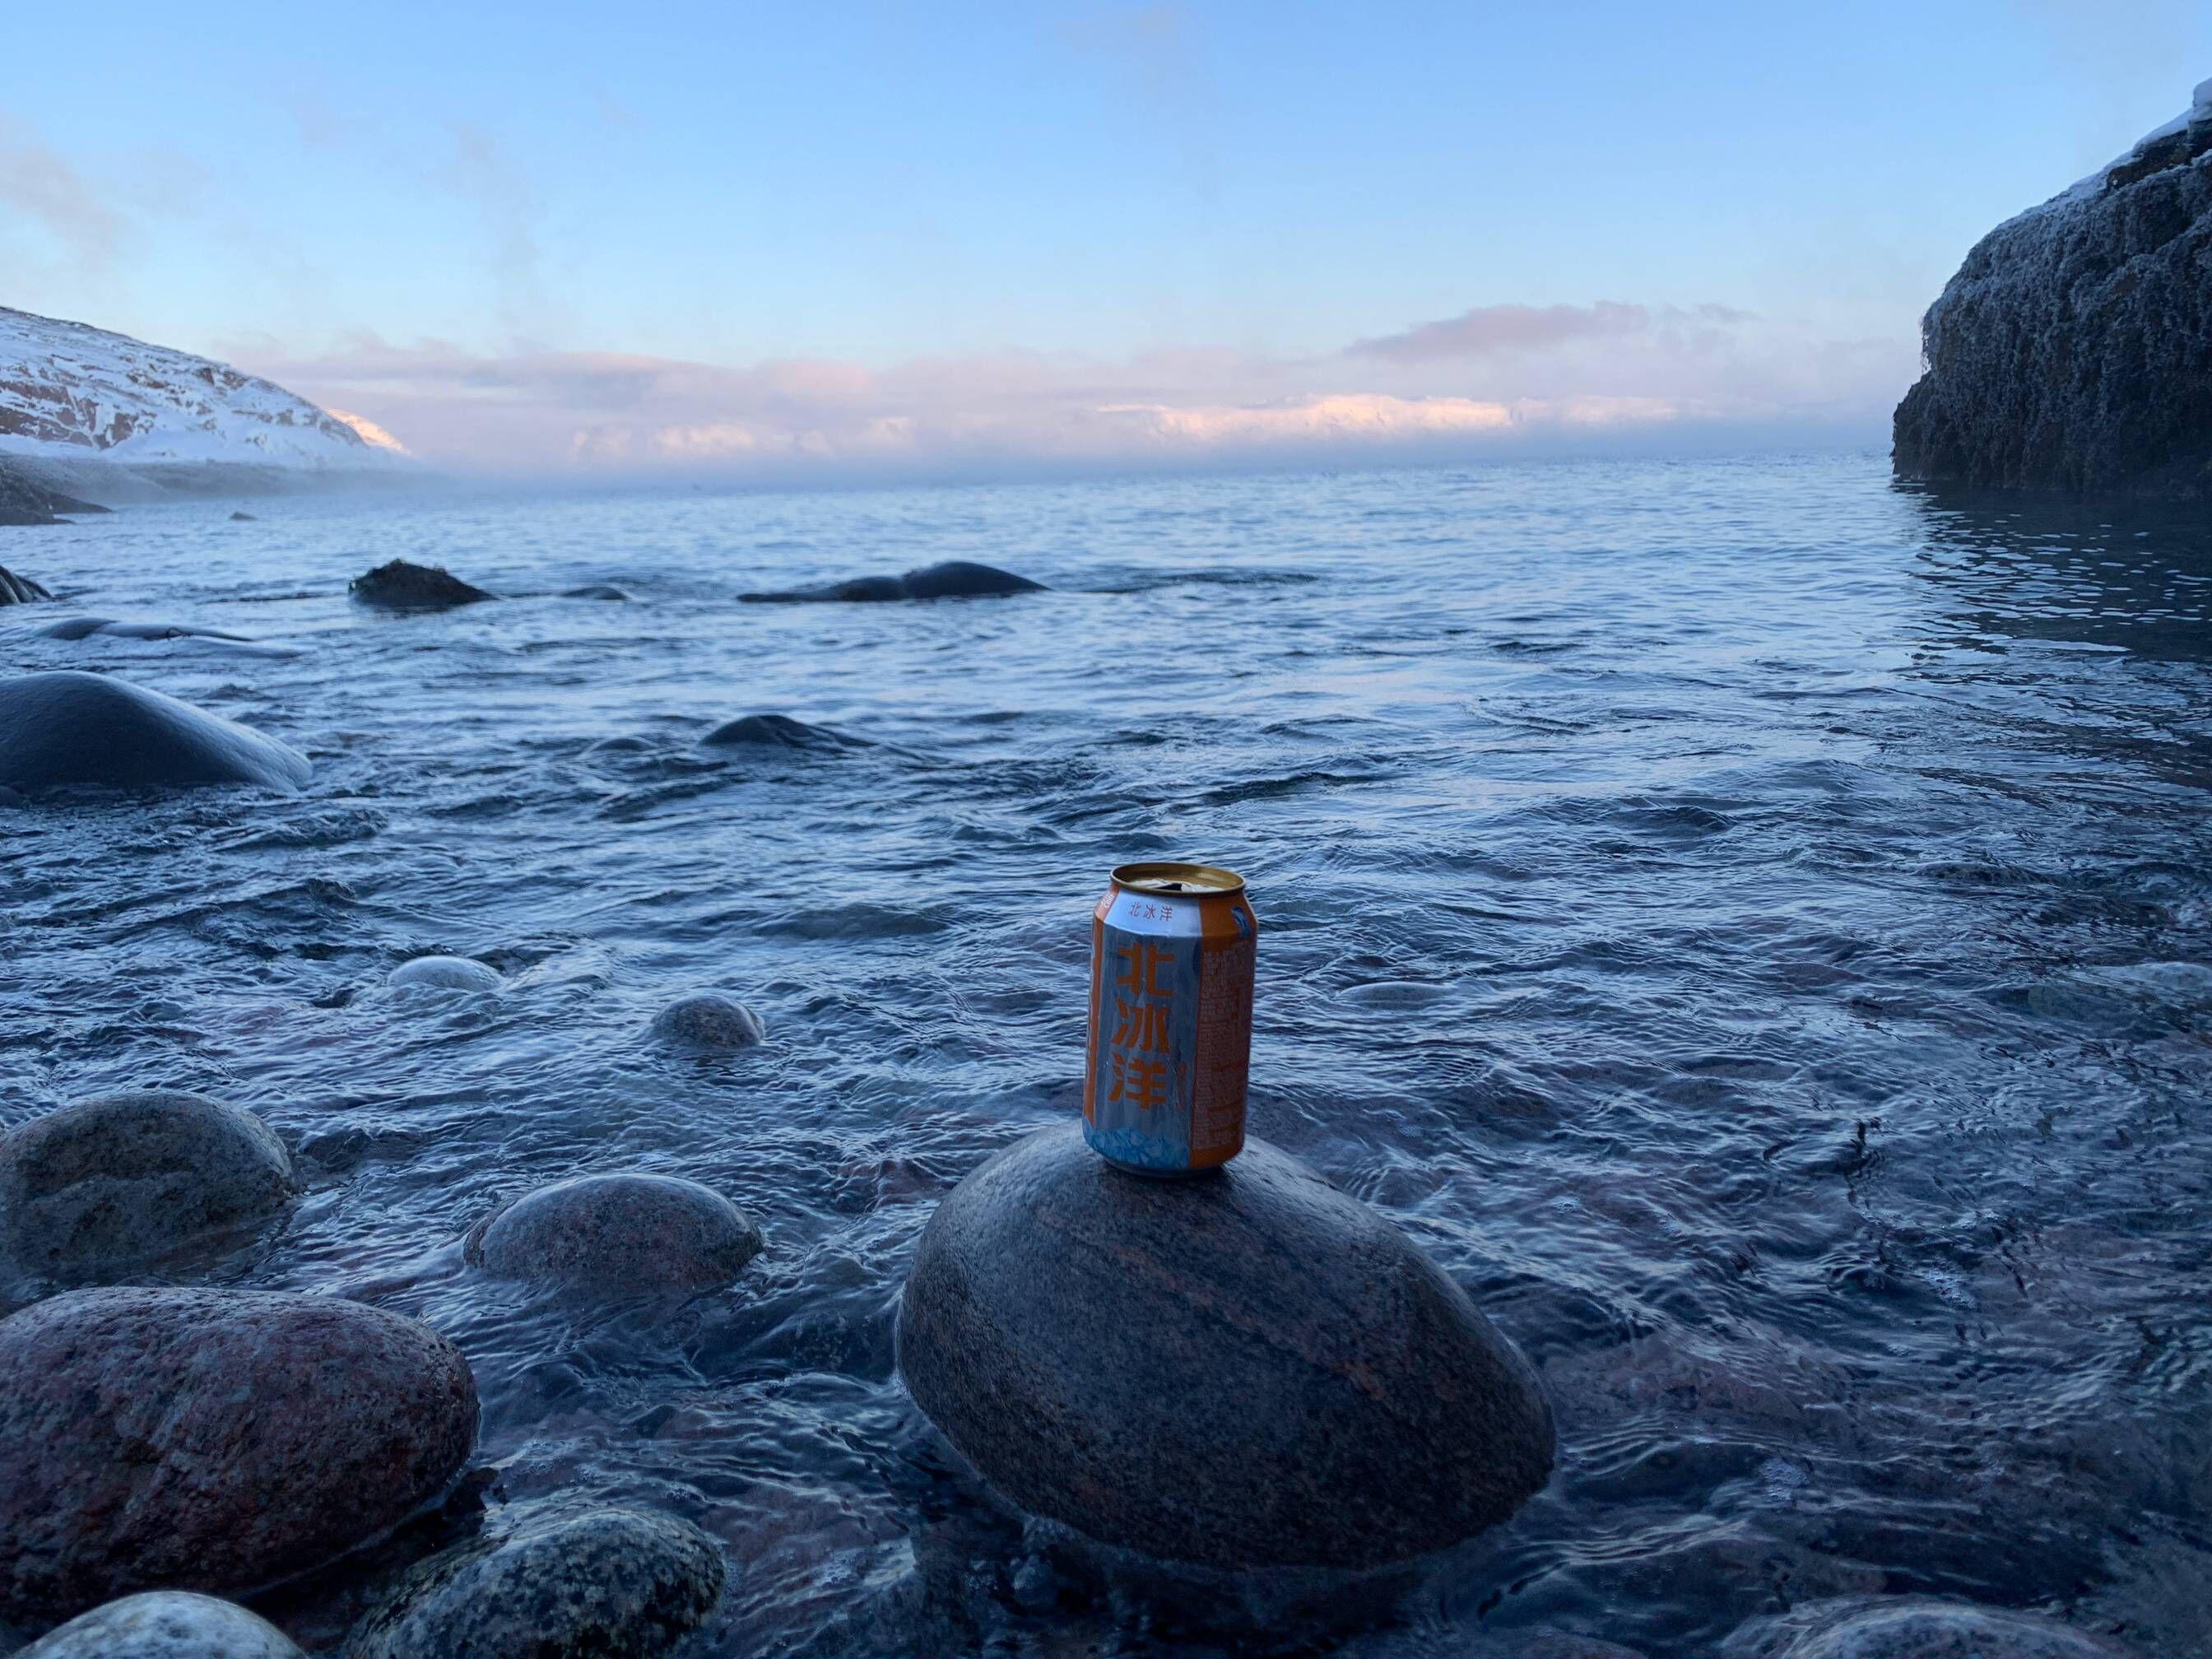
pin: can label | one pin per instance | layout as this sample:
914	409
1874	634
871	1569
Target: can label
1170	1028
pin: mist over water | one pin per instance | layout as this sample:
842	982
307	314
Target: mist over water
1749	922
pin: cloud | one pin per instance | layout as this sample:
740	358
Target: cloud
1572	377
1488	331
42	189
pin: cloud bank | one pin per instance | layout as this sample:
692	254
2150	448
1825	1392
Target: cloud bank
1494	378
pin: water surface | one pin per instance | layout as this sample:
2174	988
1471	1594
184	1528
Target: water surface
1750	923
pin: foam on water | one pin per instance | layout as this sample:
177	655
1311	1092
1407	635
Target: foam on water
1746	921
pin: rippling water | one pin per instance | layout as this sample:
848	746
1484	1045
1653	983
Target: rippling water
1750	922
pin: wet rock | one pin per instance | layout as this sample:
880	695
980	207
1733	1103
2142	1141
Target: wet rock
399	586
445	974
617	1231
1310	1390
2073	350
130	1180
1911	1627
708	1024
243	517
954	579
165	1625
610	1584
20	590
606	590
70	728
778	732
218	1439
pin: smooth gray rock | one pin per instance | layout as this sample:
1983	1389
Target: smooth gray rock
604	591
610	1584
20	590
1911	1627
165	1625
445	974
2073	350
398	585
128	1181
954	579
221	1440
617	1232
1247	1370
69	728
708	1024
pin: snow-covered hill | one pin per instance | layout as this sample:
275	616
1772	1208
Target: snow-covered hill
72	393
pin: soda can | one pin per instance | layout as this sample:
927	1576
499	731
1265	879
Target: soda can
1171	958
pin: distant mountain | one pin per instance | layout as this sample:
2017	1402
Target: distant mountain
80	407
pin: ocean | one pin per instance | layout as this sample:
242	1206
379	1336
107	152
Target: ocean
1750	921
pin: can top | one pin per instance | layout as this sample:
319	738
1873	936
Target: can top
1194	880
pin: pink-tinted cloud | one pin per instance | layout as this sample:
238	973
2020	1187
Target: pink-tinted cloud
1487	331
1565	374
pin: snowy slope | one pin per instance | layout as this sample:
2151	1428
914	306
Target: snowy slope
69	393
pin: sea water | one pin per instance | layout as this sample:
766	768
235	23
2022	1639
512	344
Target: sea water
1748	921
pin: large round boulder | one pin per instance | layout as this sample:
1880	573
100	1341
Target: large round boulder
165	1625
708	1024
126	1181
216	1439
617	1232
1247	1370
71	728
610	1584
1911	1627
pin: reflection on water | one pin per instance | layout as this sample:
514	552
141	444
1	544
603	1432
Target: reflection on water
1748	921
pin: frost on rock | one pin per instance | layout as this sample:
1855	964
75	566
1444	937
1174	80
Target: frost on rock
2073	350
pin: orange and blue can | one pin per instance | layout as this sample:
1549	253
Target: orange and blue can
1172	953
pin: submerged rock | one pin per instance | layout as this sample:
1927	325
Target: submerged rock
243	517
130	1180
399	586
1308	1390
709	1022
606	590
20	590
2073	350
1911	1627
955	579
610	1584
778	732
617	1231
74	628
218	1439
72	728
445	974
165	1625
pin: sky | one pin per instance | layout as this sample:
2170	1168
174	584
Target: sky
953	238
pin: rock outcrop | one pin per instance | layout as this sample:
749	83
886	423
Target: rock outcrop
216	1439
128	1181
165	1625
617	1232
20	590
2073	350
68	728
610	1584
24	501
397	584
1250	1370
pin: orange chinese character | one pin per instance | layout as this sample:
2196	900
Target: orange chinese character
1144	1083
1140	1025
1148	964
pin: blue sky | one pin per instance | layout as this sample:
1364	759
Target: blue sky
458	217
